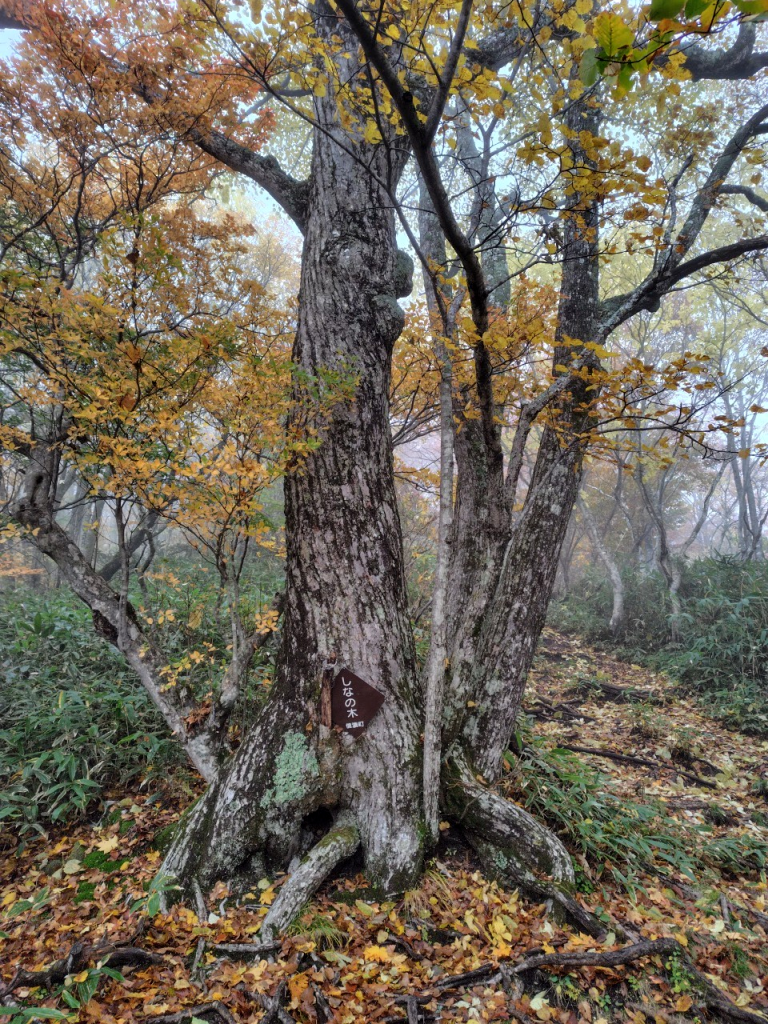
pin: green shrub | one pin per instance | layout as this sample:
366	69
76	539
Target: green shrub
74	720
722	649
587	609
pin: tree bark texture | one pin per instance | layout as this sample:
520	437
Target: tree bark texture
510	579
345	589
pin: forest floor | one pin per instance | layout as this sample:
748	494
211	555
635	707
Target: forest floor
83	895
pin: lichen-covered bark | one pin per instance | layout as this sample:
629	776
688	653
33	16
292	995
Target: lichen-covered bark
340	843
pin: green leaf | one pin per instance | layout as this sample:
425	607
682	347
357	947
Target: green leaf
590	66
661	9
696	7
30	1012
624	79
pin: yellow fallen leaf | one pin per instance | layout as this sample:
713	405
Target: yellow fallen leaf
683	1004
296	986
376	954
107	845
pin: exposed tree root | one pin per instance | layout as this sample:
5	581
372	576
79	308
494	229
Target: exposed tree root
607	958
274	1006
514	845
570	909
340	843
467	978
78	958
517	848
712	998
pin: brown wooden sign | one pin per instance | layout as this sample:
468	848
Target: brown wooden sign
353	702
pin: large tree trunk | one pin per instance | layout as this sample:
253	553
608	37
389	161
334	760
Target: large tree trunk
346	602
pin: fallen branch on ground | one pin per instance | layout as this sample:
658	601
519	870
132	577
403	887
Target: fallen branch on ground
543	708
78	959
246	949
614	755
614	693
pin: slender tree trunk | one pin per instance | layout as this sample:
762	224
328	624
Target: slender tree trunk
77	515
91	534
113	616
524	563
602	552
441	316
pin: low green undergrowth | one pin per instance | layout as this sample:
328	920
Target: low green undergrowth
615	834
73	721
720	646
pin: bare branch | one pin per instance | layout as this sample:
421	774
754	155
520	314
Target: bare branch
292	195
670	268
748	193
437	106
738	62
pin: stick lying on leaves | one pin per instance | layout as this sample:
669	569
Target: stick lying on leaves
78	958
614	755
710	995
617	694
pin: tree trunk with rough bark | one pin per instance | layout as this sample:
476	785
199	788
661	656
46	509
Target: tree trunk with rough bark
345	592
511	577
345	603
